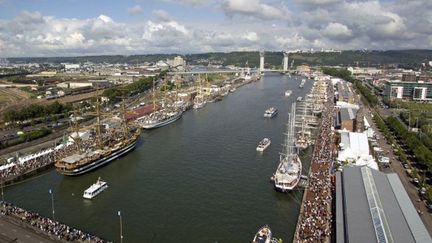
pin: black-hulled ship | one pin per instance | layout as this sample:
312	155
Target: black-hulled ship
100	148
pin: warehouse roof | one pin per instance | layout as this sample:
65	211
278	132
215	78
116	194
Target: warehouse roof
374	207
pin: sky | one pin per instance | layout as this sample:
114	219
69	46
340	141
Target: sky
128	27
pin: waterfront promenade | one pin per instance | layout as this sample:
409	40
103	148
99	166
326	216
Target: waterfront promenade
19	224
314	221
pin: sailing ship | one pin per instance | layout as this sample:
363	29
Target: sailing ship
162	117
99	149
199	100
289	170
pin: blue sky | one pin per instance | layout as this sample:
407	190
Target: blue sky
92	27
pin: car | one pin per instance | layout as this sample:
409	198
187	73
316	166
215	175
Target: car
416	180
406	166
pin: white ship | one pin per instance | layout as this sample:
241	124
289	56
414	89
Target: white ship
288	93
289	170
263	145
264	235
270	112
95	189
159	119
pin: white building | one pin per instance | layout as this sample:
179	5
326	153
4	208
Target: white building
355	150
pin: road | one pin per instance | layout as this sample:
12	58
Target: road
11	232
396	167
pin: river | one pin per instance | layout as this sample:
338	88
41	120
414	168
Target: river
196	180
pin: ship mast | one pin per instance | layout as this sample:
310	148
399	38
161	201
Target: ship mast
124	122
75	129
154	98
98	123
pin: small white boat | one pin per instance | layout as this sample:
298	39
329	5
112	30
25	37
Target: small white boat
288	93
299	98
264	235
271	112
263	145
95	189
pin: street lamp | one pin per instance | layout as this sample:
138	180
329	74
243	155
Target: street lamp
52	204
121	226
2	195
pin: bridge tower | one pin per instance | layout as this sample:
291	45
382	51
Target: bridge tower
261	67
285	61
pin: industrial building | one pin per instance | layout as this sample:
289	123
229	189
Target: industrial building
345	93
374	207
346	119
420	91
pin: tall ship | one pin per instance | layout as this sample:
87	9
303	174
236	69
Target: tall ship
302	83
100	146
270	112
160	118
199	100
288	172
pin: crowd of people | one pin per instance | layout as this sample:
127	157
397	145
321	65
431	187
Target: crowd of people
15	169
46	225
315	216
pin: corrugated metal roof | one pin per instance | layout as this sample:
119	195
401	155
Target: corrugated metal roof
416	226
355	217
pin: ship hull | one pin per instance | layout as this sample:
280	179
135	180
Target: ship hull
100	162
164	123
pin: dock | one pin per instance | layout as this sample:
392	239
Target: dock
314	221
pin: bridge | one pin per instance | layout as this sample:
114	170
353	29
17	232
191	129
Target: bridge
261	68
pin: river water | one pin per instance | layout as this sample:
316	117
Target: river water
196	180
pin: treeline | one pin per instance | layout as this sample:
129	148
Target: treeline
420	151
36	111
26	137
369	97
342	73
362	58
115	93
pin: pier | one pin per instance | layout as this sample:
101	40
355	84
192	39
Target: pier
314	221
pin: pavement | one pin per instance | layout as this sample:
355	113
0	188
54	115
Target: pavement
396	167
12	232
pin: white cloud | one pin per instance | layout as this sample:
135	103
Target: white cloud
337	30
137	9
253	8
250	36
253	25
162	15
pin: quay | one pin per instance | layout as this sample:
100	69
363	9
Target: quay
19	225
314	221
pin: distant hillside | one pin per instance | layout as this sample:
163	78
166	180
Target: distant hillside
362	58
